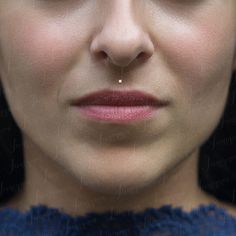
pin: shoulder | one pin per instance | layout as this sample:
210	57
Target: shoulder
229	207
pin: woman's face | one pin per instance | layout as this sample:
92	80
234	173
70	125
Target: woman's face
54	51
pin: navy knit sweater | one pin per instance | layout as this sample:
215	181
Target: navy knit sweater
40	220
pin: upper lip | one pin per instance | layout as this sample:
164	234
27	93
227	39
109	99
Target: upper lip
119	98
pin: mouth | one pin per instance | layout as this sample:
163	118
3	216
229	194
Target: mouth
118	106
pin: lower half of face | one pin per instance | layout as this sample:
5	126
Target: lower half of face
105	156
44	55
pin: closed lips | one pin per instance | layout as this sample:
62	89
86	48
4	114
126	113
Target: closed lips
118	98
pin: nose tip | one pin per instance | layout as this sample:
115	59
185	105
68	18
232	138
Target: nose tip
121	49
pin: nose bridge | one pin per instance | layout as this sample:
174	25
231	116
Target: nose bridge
122	39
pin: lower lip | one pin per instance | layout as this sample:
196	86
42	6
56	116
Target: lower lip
118	114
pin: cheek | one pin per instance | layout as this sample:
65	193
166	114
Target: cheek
40	46
198	54
202	63
39	53
36	55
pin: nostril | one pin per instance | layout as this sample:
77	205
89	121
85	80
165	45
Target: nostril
102	55
143	56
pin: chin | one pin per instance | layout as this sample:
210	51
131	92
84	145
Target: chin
118	181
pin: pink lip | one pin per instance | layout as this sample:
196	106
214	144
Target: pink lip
118	106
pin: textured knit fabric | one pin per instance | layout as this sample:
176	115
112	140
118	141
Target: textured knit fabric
40	220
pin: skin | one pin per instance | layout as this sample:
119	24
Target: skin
54	51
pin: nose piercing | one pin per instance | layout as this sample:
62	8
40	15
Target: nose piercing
121	75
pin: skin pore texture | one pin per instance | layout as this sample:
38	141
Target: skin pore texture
55	51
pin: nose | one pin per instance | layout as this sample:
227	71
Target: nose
122	40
